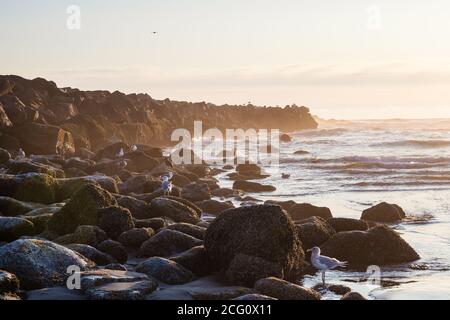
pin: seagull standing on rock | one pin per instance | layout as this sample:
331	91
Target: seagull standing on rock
134	148
120	154
20	154
166	184
324	263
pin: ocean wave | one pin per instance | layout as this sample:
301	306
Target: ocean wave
377	165
322	132
415	143
395	183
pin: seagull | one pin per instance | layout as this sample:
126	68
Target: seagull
120	154
134	148
166	184
122	164
324	263
20	154
285	175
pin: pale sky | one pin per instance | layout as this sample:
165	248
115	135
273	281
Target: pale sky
344	59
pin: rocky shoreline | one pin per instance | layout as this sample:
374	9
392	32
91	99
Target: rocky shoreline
96	211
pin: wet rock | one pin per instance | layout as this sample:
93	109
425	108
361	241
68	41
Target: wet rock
254	297
114	221
13	207
139	184
67	187
214	207
39	263
82	209
353	296
305	210
190	229
114	249
39	222
54	294
9	283
123	290
135	237
196	192
248	186
4	156
377	246
248	169
246	231
74	173
27	166
177	211
224	193
94	278
31	187
186	203
301	152
246	270
314	231
347	224
284	290
195	260
116	266
154	223
139	209
165	270
180	180
92	254
384	212
138	161
166	243
212	183
339	289
285	138
90	235
12	228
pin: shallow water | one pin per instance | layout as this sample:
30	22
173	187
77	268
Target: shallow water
350	168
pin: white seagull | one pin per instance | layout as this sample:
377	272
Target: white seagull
20	154
324	263
166	184
134	148
120	154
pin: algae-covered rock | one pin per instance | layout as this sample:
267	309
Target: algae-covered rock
82	209
35	187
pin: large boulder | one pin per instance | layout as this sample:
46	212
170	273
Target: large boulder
114	221
5	156
39	263
377	246
168	242
28	166
262	231
165	270
284	290
303	211
82	209
314	231
89	235
138	161
12	228
177	211
384	212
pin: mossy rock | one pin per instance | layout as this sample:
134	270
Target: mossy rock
67	187
36	187
81	209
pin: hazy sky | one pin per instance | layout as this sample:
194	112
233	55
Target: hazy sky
344	59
